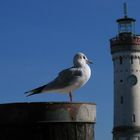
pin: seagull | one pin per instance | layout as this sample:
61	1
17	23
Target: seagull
69	79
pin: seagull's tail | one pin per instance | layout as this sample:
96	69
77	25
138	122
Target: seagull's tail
35	91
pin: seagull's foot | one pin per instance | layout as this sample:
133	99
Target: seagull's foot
70	96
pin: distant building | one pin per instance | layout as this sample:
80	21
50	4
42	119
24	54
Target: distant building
125	50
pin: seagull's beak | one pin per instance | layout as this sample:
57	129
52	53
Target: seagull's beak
89	62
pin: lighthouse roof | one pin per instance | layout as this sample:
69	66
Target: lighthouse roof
126	19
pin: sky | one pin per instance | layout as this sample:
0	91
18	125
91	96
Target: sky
38	38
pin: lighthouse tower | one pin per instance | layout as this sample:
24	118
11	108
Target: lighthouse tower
125	50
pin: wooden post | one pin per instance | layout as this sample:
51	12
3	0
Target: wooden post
47	121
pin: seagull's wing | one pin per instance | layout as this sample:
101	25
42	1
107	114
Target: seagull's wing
35	91
64	79
68	76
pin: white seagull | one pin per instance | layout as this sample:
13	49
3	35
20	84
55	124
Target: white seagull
69	79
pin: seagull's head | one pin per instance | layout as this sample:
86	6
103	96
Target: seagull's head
80	59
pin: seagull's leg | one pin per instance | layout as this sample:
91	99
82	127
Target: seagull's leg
70	96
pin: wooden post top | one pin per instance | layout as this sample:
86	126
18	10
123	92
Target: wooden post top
45	112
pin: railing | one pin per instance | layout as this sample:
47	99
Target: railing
134	40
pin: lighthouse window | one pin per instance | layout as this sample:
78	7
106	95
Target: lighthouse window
121	99
121	60
131	59
133	118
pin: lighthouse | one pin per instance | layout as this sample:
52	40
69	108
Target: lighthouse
125	51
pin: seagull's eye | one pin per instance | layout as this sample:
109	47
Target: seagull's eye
84	57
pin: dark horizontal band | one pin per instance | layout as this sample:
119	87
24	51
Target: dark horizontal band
123	129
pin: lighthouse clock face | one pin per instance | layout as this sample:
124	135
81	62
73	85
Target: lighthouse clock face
132	80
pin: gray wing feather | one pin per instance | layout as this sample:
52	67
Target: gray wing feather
65	78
